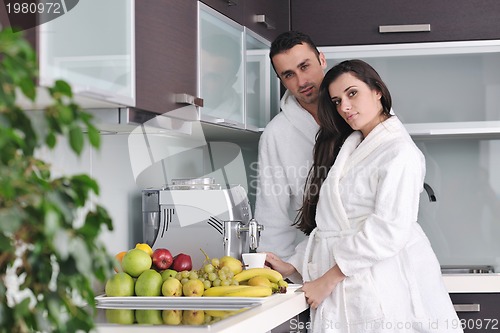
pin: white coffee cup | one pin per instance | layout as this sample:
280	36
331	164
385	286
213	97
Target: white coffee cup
254	260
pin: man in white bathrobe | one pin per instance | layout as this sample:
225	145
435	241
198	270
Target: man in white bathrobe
286	146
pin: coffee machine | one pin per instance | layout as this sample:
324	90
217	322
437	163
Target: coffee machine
192	214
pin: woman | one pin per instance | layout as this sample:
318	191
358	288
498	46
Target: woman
368	265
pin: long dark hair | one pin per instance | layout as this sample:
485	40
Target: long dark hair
333	131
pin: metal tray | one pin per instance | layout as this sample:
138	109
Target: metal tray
184	303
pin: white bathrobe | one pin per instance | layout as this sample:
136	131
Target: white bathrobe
367	225
285	157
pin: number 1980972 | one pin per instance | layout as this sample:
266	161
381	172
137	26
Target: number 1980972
33	8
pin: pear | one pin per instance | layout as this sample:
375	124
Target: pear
171	287
260	280
234	264
194	288
172	317
193	317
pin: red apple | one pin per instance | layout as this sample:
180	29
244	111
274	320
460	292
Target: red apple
182	262
162	258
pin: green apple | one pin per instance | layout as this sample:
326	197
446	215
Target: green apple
148	283
120	316
135	262
150	317
171	287
172	317
193	288
168	273
193	317
120	284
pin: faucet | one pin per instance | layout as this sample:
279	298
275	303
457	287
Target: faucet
430	192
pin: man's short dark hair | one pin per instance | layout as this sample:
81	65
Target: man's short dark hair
289	39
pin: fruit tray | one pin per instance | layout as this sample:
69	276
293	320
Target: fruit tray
184	303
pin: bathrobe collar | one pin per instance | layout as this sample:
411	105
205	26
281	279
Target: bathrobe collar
299	117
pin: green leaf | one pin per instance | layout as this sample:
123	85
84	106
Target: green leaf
51	140
65	114
5	244
76	139
94	136
63	88
28	88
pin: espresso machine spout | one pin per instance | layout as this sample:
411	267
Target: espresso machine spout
254	229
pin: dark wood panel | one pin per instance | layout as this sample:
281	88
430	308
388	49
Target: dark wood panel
335	22
231	8
487	319
166	44
277	11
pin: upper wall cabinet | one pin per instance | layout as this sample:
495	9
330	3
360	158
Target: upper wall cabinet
230	8
266	18
92	48
166	52
234	76
439	90
357	22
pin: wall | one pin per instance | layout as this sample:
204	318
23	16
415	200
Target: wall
127	163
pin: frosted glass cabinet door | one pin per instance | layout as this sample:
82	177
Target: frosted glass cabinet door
453	83
92	47
221	68
261	83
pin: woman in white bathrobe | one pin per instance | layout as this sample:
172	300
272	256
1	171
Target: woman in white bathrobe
367	264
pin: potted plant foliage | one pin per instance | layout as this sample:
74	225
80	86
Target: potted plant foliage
49	259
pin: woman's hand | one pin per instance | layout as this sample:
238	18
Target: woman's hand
274	262
317	290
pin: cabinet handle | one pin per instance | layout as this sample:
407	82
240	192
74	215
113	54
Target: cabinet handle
266	21
230	3
467	307
188	99
404	28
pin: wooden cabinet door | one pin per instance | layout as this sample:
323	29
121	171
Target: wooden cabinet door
478	312
275	14
231	8
166	45
357	22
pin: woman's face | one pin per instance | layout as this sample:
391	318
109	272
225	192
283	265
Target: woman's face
359	105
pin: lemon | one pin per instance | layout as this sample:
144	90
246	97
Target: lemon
144	247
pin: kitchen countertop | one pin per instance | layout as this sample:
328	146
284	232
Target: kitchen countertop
472	283
280	308
262	318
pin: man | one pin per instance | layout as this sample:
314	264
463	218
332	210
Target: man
286	146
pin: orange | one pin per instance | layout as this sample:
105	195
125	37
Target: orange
144	247
119	256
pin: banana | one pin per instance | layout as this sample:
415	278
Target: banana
271	274
222	290
222	313
253	291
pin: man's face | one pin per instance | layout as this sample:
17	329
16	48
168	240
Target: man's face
301	72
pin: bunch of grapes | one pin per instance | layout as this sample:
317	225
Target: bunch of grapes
210	274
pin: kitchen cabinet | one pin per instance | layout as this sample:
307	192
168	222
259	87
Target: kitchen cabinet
166	53
267	18
358	22
234	9
439	90
92	48
478	312
264	17
261	83
234	77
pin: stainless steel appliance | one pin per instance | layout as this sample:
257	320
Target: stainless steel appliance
197	213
